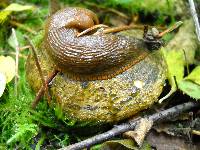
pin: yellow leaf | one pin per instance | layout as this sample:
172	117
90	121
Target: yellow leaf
18	7
2	83
7	67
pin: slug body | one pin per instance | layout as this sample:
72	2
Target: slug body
89	57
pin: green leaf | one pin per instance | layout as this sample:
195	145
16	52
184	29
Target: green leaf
119	144
191	84
175	62
194	75
2	83
7	67
190	88
14	7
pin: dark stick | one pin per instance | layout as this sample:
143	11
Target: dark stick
119	129
42	89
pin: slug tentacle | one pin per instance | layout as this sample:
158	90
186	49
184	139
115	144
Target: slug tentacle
89	57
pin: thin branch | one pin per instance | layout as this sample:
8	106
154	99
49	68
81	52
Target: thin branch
39	68
195	18
170	29
127	27
17	48
119	129
19	25
95	27
36	60
42	89
20	55
24	47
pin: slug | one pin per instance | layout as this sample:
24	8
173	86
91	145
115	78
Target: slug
89	57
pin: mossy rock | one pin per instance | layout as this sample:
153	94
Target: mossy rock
104	101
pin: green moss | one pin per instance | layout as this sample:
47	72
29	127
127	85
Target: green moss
18	122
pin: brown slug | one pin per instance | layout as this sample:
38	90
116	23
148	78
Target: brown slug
89	57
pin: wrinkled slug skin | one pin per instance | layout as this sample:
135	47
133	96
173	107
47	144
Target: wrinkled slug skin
89	57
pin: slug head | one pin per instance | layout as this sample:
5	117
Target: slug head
78	18
82	19
152	39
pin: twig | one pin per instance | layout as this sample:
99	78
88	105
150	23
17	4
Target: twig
42	89
20	55
16	59
17	24
36	60
24	47
95	27
121	28
119	129
127	27
195	18
175	26
38	67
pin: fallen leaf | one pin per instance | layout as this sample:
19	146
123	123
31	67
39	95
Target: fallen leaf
190	88
2	83
141	129
162	141
119	144
7	67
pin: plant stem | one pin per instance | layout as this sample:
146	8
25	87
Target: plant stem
16	60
